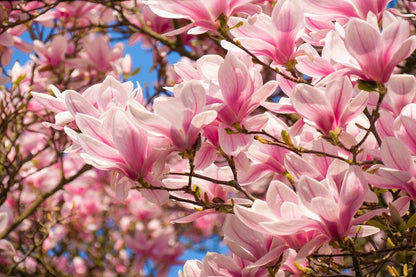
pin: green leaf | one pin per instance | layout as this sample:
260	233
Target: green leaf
367	85
411	222
286	138
133	73
19	80
239	24
395	216
377	224
197	191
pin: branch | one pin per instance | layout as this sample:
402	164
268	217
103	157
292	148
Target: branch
32	208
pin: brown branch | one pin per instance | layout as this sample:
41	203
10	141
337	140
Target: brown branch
32	208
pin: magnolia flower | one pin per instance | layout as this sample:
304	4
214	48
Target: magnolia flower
263	35
203	14
399	169
179	118
368	52
95	100
323	210
329	108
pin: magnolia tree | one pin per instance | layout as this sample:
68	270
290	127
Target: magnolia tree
287	128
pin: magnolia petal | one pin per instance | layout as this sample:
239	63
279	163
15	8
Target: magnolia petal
395	155
297	166
312	104
404	129
193	216
6	248
51	103
191	268
78	104
362	40
353	191
405	50
278	193
309	189
384	125
121	188
233	144
158	197
4	221
242	240
327	209
253	217
364	231
354	108
289	226
311	246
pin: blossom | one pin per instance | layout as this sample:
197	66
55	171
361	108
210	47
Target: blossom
368	52
11	38
202	13
95	100
329	108
115	142
53	54
240	92
344	9
322	210
399	169
179	118
263	35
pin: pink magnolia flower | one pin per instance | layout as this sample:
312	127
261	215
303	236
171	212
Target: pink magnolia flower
344	9
396	117
261	250
329	108
252	253
210	191
204	14
205	68
151	20
368	52
115	142
179	118
399	169
318	67
11	38
53	54
220	265
84	13
241	92
263	35
310	164
401	91
109	138
162	248
404	126
94	101
323	210
99	57
267	161
322	15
